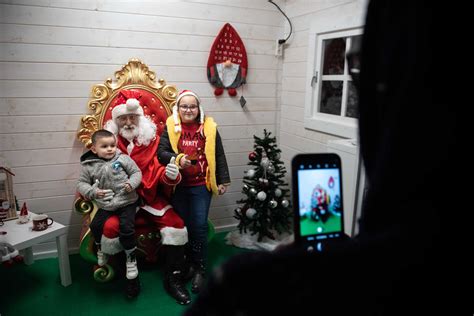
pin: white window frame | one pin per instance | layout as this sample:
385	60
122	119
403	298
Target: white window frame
346	127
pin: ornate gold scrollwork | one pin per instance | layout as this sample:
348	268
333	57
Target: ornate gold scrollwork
84	206
134	74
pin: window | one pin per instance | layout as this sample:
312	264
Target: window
331	98
337	95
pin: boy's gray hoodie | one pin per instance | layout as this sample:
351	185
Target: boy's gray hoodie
112	174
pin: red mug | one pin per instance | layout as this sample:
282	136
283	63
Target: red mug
41	222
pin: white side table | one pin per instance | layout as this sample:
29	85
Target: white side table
22	238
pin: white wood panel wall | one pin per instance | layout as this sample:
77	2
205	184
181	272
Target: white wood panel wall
53	51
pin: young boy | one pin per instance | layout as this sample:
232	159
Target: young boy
110	178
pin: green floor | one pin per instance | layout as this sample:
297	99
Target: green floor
311	227
36	289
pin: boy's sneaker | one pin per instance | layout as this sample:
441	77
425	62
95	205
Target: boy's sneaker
132	269
102	258
133	288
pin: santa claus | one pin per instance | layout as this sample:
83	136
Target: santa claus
136	136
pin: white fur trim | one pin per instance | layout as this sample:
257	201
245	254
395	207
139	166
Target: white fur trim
154	211
174	236
132	106
187	93
201	114
130	147
177	121
110	246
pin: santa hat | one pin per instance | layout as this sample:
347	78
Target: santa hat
126	106
177	121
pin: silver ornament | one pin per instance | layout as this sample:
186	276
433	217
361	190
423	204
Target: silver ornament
278	192
238	211
265	162
251	212
272	203
271	168
252	191
285	203
245	188
251	173
261	196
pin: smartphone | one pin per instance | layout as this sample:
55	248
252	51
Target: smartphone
317	199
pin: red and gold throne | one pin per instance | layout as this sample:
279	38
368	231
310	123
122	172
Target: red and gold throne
157	100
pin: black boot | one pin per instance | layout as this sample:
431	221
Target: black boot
199	278
174	267
189	272
175	288
133	288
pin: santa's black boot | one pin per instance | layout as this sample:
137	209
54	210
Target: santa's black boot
174	267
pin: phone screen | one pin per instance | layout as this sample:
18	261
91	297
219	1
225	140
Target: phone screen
317	197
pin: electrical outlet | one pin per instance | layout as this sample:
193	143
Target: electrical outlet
278	48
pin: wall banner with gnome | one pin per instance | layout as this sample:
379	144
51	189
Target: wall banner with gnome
227	64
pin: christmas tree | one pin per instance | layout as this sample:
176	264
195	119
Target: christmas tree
266	208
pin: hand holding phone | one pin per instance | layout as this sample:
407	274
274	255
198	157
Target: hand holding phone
317	199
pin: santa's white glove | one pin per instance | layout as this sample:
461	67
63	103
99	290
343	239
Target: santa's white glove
172	169
94	188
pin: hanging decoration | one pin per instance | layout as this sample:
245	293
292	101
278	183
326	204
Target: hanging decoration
227	64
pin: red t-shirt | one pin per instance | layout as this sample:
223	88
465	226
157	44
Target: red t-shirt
192	143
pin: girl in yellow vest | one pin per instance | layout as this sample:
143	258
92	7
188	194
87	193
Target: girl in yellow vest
192	138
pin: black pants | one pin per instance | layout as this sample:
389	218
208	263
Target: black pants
126	216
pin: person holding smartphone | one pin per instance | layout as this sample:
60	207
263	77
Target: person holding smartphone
406	258
193	140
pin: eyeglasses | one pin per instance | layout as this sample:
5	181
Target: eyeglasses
124	118
186	107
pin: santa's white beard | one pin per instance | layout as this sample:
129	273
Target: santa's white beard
144	133
129	132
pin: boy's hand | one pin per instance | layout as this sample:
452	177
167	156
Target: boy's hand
99	193
106	195
128	187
